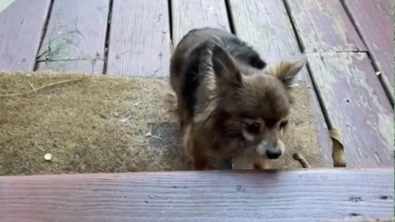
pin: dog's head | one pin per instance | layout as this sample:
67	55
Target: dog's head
254	109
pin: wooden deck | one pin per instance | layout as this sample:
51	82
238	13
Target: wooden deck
349	44
302	196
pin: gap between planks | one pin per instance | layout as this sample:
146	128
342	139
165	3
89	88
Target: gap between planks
230	17
44	31
107	41
309	71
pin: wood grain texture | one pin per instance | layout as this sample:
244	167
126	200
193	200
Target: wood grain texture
303	196
266	26
21	25
76	34
188	15
139	39
324	26
357	105
374	19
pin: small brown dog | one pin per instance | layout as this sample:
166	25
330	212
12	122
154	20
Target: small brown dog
229	102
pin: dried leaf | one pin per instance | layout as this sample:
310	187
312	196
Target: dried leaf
339	158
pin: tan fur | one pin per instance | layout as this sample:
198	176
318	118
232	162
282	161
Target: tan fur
265	96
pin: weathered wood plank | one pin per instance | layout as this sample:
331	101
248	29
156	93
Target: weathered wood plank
265	25
324	26
21	25
139	39
357	105
75	35
304	196
188	15
374	19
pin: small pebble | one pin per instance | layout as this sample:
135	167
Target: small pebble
148	134
48	157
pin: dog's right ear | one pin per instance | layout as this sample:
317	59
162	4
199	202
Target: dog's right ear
286	70
225	68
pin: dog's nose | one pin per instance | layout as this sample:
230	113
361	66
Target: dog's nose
273	153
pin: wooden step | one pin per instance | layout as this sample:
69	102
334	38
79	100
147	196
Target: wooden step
297	195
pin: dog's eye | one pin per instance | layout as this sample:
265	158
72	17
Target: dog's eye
283	123
254	127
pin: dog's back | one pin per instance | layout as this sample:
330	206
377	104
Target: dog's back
185	77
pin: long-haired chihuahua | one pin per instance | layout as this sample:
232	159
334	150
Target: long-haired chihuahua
228	100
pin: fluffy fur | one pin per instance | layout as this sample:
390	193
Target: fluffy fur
229	102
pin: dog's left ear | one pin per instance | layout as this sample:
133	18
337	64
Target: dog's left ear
286	70
225	68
